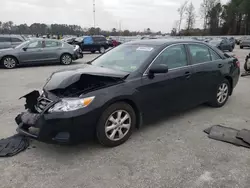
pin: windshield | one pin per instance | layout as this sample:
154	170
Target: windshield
126	58
22	44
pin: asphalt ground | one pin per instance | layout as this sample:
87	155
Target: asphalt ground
172	153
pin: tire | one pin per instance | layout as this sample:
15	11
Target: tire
102	50
66	59
225	94
241	47
104	135
93	51
9	62
230	50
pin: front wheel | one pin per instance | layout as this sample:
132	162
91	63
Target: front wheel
66	59
221	95
116	124
9	62
241	47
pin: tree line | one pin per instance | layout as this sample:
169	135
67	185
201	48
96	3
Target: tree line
232	18
64	29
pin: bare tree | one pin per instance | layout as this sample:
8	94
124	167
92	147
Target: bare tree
181	12
205	9
190	14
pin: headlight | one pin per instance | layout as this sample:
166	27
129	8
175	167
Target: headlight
70	104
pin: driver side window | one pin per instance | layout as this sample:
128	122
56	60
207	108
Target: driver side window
173	57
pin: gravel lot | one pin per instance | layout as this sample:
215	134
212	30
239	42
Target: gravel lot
171	153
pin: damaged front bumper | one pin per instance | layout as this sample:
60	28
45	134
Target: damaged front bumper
60	127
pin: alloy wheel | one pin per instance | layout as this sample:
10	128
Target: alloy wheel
118	125
9	62
66	59
222	93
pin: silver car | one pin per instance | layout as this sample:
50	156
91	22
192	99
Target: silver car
245	43
39	51
10	41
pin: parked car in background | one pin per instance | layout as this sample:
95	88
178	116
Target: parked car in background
39	51
136	82
245	43
10	41
207	39
92	43
113	42
222	44
238	41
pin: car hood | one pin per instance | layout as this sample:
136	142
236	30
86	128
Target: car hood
89	77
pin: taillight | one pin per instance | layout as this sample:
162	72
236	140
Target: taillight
238	63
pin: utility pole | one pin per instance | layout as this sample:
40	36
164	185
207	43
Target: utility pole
94	12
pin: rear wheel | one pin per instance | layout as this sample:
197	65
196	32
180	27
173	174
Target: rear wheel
9	62
221	95
102	50
116	124
241	47
66	59
93	51
230	50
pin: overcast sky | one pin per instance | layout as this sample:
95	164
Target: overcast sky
159	15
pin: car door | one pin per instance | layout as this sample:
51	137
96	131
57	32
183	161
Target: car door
206	65
51	50
170	91
33	52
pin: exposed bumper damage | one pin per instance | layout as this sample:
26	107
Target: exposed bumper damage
63	127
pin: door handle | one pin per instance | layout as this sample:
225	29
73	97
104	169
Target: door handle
220	65
187	74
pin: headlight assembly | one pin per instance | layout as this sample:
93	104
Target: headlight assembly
71	104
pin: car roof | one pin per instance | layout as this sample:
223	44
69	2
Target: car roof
161	42
41	39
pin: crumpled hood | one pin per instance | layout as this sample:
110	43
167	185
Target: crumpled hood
63	79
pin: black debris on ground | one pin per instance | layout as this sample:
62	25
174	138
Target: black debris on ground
229	135
245	74
13	145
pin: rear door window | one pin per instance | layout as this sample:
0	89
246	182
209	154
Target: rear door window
14	39
4	39
51	44
214	55
199	53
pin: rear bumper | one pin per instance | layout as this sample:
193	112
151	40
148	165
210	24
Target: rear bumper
57	128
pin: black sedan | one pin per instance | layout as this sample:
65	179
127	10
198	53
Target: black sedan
222	44
125	87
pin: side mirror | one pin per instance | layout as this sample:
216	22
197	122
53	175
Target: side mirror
25	49
157	69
